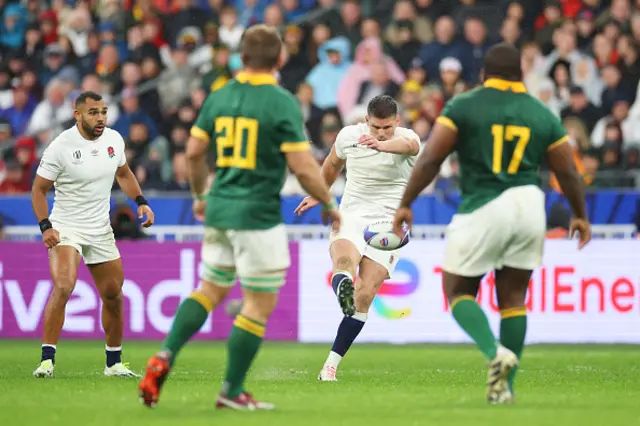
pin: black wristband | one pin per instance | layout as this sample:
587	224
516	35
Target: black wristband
45	224
141	201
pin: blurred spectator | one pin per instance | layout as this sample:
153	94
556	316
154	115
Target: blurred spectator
125	224
451	81
52	112
580	107
230	30
349	23
297	64
180	180
311	114
473	49
176	82
13	26
368	54
405	18
445	45
19	113
326	76
14	179
131	113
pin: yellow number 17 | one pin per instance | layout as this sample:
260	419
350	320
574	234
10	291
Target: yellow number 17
509	133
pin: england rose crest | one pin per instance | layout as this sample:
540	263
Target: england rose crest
111	152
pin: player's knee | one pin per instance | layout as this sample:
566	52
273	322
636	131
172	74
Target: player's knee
344	263
112	291
62	291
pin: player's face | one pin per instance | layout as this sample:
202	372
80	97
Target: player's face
92	116
382	128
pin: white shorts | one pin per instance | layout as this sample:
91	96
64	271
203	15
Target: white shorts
352	229
93	248
259	257
507	231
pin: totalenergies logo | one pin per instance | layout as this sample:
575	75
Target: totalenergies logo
411	280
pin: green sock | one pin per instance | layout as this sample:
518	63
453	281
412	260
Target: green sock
474	322
513	329
244	343
191	315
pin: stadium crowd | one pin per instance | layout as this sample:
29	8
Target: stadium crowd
155	61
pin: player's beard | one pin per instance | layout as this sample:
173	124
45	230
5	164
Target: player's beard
94	131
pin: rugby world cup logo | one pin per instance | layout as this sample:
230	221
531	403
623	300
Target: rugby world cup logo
406	279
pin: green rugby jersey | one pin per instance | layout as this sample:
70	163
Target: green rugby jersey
503	135
251	123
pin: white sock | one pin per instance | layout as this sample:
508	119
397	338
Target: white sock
46	345
360	316
333	360
113	348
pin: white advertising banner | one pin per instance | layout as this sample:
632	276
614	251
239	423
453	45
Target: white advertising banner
584	296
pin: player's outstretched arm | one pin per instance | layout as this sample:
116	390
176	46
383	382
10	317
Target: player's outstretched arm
130	186
306	169
399	145
330	171
560	158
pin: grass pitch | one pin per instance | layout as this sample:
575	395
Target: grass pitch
436	385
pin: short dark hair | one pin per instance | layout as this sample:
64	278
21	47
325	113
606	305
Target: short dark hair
382	106
503	61
260	47
82	97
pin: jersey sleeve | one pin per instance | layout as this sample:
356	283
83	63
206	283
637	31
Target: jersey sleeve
409	133
203	127
123	155
345	137
50	165
291	127
451	115
558	135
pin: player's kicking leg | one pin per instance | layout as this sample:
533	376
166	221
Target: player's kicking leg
345	257
511	289
372	275
109	279
461	293
63	263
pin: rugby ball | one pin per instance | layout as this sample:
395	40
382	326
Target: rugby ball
380	235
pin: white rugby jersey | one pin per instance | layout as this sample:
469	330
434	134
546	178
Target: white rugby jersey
375	180
83	172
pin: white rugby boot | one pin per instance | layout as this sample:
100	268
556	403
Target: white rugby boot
498	391
120	369
45	369
327	374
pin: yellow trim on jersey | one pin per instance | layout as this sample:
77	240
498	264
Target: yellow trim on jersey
505	85
559	142
258	79
295	146
446	121
513	312
198	133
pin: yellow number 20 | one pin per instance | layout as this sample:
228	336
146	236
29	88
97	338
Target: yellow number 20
238	134
509	133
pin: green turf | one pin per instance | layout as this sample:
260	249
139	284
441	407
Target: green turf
379	385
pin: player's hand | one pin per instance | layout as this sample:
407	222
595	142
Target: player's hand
50	238
583	228
403	215
199	208
370	142
305	205
332	216
145	210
